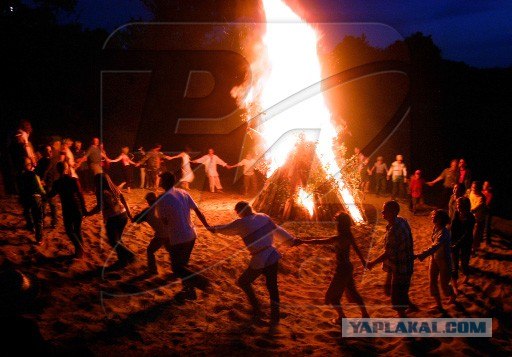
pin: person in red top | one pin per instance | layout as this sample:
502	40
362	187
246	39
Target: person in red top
416	187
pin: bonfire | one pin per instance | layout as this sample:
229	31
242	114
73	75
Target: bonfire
293	122
299	189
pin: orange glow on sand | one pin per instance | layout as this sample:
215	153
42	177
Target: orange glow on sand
293	68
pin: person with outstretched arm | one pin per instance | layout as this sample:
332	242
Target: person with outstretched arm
257	230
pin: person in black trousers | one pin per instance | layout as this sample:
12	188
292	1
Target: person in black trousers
73	205
462	227
31	198
114	208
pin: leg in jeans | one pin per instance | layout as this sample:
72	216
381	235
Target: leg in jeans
394	190
455	257
37	212
400	284
180	256
73	227
245	283
115	227
488	232
270	273
53	211
465	254
27	214
153	246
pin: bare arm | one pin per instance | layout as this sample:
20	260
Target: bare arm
117	159
125	204
320	241
358	252
201	217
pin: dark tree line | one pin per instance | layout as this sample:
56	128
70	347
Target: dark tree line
51	76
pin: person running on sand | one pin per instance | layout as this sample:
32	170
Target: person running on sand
210	162
110	201
160	239
343	279
257	231
73	205
440	267
398	259
187	175
462	227
126	161
174	208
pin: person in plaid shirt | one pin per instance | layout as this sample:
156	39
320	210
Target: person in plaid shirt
397	258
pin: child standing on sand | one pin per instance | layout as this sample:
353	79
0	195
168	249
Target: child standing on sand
343	279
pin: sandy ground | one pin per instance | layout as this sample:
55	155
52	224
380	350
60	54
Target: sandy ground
125	312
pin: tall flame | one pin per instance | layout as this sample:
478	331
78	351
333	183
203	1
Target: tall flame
306	201
295	70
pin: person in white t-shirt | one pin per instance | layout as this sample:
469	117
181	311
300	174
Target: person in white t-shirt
250	179
257	230
210	162
173	208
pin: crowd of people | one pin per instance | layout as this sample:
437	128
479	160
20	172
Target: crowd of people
63	167
456	182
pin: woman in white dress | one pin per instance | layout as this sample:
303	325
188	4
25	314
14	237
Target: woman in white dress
187	175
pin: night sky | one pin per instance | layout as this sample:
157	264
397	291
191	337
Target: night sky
476	32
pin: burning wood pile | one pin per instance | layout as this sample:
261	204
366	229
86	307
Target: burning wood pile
300	189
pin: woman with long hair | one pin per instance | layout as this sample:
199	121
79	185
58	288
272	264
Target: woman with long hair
110	201
343	279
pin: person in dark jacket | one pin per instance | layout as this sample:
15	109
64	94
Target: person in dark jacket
31	199
73	205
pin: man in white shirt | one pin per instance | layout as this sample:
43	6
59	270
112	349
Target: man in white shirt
257	231
250	180
210	162
398	175
173	208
